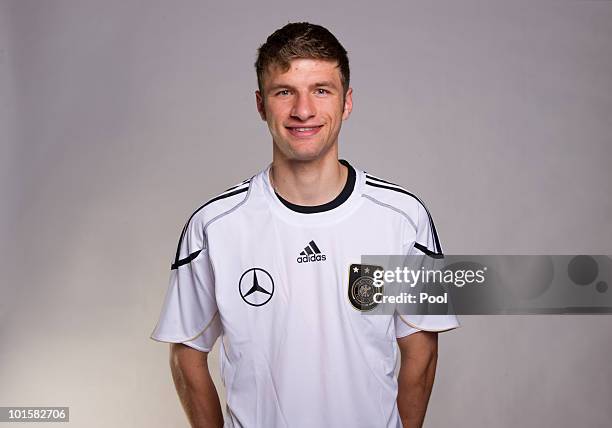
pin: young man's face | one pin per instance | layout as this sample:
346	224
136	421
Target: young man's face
304	107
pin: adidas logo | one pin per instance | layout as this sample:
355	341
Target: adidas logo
311	253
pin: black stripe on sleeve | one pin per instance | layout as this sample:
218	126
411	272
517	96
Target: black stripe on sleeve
178	247
184	261
427	251
437	246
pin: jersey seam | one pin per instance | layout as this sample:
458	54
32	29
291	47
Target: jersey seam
400	189
226	212
433	253
391	207
219	216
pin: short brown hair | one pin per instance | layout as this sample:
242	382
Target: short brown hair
301	40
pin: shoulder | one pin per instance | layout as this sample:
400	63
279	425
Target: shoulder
409	205
222	203
219	205
192	239
393	196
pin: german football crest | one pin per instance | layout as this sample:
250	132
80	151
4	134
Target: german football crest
361	287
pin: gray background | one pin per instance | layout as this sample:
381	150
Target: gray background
119	118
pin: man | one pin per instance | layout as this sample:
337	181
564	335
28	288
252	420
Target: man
273	265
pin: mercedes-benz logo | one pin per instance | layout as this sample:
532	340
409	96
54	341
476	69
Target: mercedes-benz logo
256	287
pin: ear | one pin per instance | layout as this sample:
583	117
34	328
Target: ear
260	105
348	104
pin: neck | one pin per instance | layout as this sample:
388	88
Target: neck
312	182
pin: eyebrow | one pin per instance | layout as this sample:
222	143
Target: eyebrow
326	83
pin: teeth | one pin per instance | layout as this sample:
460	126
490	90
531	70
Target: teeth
303	129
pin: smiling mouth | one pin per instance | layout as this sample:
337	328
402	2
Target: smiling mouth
303	131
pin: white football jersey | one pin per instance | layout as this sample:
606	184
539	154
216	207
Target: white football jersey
272	279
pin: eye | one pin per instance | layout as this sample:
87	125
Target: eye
283	92
321	91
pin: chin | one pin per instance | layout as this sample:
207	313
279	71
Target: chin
304	151
307	154
305	157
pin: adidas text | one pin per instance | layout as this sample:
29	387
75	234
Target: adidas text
311	258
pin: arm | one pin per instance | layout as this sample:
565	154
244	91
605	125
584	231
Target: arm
195	387
419	354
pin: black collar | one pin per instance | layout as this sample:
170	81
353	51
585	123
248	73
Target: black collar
336	202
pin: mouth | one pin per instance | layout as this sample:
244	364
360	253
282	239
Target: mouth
303	131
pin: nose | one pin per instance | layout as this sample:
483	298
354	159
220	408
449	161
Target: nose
303	108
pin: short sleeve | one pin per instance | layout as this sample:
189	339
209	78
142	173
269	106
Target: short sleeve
189	313
401	328
426	244
205	341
